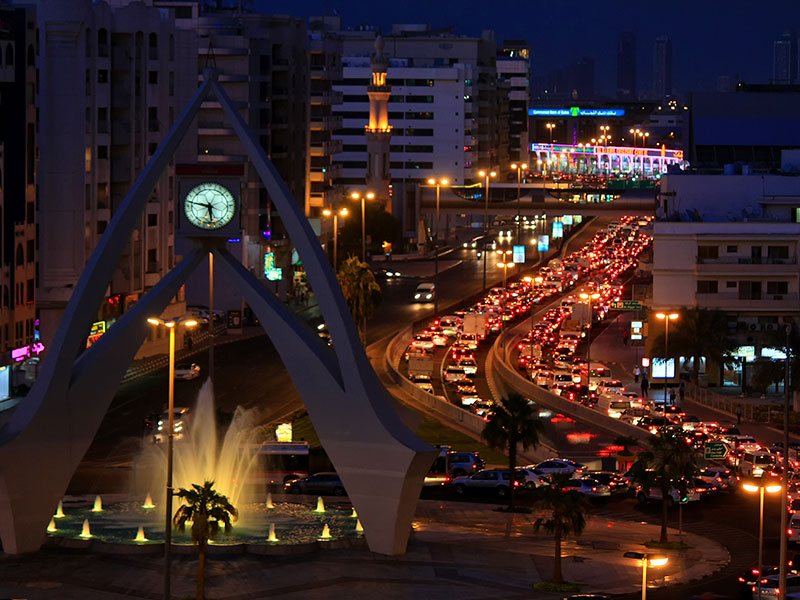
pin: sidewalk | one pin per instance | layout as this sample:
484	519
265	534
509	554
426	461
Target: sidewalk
458	550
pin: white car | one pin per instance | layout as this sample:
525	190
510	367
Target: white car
187	371
588	487
542	378
468	340
531	479
424	292
453	374
654	495
451	324
469	365
558	465
423	382
424	341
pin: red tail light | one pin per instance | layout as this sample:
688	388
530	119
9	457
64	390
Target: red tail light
789	531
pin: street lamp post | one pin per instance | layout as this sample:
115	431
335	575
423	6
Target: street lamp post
363	197
760	488
550	127
666	317
519	169
486	175
605	135
438	184
328	212
589	298
504	264
655	561
171	325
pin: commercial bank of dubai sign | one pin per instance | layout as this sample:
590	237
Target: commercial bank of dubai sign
575	111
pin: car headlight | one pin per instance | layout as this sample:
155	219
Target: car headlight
429	296
416	296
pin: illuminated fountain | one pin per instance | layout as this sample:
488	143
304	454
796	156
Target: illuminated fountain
51	528
359	528
60	511
201	453
355	514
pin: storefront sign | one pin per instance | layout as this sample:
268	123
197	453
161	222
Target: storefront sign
20	354
96	332
272	272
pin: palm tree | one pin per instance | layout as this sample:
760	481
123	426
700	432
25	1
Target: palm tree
207	510
512	422
361	291
565	515
670	465
699	332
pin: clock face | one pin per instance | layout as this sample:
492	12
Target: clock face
209	206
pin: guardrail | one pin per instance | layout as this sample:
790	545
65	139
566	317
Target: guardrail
511	378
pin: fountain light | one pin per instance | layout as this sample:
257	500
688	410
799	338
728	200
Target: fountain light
140	536
59	511
359	528
326	532
320	505
148	502
98	504
269	500
86	533
51	528
355	514
272	536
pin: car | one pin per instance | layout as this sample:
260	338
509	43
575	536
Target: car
415	351
616	484
558	465
542	378
423	382
769	587
451	324
187	371
654	495
454	373
469	365
718	476
180	417
318	483
468	340
424	292
491	481
589	487
749	578
459	352
424	341
755	463
531	478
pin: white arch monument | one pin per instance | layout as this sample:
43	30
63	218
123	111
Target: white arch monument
381	462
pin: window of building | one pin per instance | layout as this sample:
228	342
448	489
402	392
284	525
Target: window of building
152	77
151	258
418	165
732	249
152	45
29	291
420	99
10	55
29	246
354	164
419	132
422	115
101	227
20	255
152	220
102	43
706	287
777	288
749	290
777	254
102	152
102	76
355	98
730	284
354	148
707	252
31	212
418	148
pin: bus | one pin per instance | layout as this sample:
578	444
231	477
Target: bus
279	462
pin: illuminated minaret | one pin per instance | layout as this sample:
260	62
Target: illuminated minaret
379	132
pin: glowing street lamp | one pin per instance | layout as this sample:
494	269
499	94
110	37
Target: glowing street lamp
589	298
666	317
519	168
171	325
655	561
363	197
336	214
760	488
504	263
438	184
486	175
550	127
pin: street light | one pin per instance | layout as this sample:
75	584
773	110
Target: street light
171	325
504	264
438	184
589	298
519	168
363	197
666	317
760	488
486	175
550	127
336	214
655	561
605	135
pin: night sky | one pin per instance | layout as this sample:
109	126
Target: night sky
709	37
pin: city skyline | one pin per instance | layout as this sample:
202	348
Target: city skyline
741	46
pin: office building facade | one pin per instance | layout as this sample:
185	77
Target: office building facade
662	68
626	66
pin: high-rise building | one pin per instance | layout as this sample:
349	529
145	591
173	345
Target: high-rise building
626	66
514	67
574	81
784	59
662	68
111	76
18	179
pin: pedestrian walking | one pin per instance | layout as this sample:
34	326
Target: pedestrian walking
738	414
636	372
682	390
672	395
645	385
625	335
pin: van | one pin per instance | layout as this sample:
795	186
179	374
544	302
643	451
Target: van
424	292
754	463
451	464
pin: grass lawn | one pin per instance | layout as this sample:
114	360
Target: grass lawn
430	430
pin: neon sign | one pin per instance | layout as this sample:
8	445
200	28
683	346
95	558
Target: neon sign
20	354
272	272
576	111
95	332
676	155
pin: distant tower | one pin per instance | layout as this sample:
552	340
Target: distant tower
784	58
379	132
626	66
662	68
